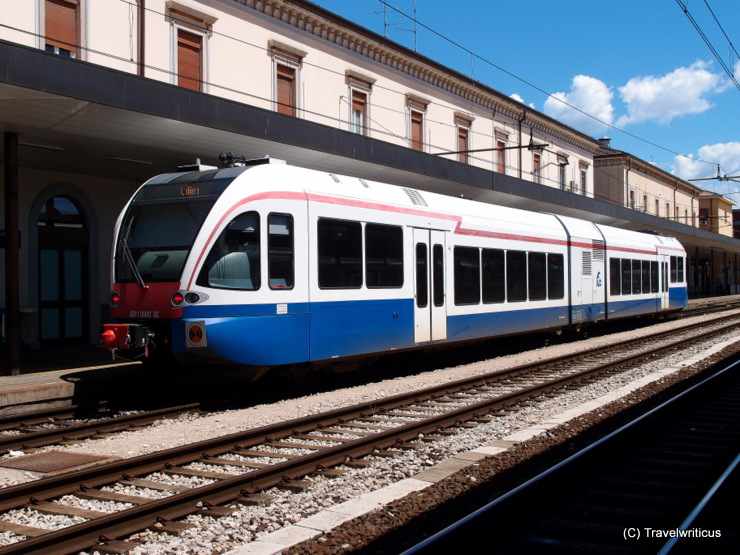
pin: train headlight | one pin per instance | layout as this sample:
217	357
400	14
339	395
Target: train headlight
187	297
192	298
115	298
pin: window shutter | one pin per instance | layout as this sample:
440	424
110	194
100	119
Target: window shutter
286	90
189	46
501	157
61	24
462	144
417	131
358	101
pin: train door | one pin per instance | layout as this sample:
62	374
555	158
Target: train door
430	312
587	267
663	265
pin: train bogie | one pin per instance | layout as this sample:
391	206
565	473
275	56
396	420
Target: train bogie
272	265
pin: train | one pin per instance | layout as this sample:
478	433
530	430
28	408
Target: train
263	264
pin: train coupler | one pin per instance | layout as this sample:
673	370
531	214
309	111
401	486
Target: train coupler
130	337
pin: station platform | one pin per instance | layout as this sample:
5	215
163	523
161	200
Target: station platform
51	377
60	375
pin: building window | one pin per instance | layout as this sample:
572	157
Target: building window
562	177
286	89
462	126
360	87
462	144
537	168
417	108
189	60
61	27
632	200
501	141
657	207
358	113
644	203
584	179
191	29
287	62
417	130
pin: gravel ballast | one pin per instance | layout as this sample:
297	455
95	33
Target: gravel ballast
249	523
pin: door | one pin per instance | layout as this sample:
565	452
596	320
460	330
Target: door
663	264
430	311
63	290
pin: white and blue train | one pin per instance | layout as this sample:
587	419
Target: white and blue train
265	264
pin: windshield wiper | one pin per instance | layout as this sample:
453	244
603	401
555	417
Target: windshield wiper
132	264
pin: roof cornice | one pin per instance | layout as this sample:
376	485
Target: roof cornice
619	157
314	20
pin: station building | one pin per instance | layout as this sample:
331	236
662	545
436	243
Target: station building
98	96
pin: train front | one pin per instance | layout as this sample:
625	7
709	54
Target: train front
153	238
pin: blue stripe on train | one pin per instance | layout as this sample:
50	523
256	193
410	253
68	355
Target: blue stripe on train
258	335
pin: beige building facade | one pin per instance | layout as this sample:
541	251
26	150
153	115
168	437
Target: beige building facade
297	59
628	181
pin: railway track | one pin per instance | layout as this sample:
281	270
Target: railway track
31	431
648	487
238	466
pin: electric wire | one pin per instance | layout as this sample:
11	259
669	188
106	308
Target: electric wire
339	120
730	73
541	90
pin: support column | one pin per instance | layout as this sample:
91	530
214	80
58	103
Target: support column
12	257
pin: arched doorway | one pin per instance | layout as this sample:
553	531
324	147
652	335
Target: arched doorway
63	240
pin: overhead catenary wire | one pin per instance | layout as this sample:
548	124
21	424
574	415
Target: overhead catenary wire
730	73
541	90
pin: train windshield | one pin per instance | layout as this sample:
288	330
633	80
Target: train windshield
160	226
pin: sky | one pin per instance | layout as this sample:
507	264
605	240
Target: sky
639	69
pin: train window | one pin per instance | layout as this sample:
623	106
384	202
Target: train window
664	277
340	254
555	276
383	255
467	275
234	260
516	276
494	276
615	276
645	276
438	275
636	277
626	277
677	269
280	251
537	276
653	276
422	276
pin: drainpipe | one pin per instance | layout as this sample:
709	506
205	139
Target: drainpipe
521	119
675	200
142	40
12	257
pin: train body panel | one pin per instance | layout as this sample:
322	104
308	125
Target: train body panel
272	265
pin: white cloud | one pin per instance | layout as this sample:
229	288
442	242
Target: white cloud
727	155
518	98
680	93
588	95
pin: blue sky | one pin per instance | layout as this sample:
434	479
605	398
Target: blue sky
638	65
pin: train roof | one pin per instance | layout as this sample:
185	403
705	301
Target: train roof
266	173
